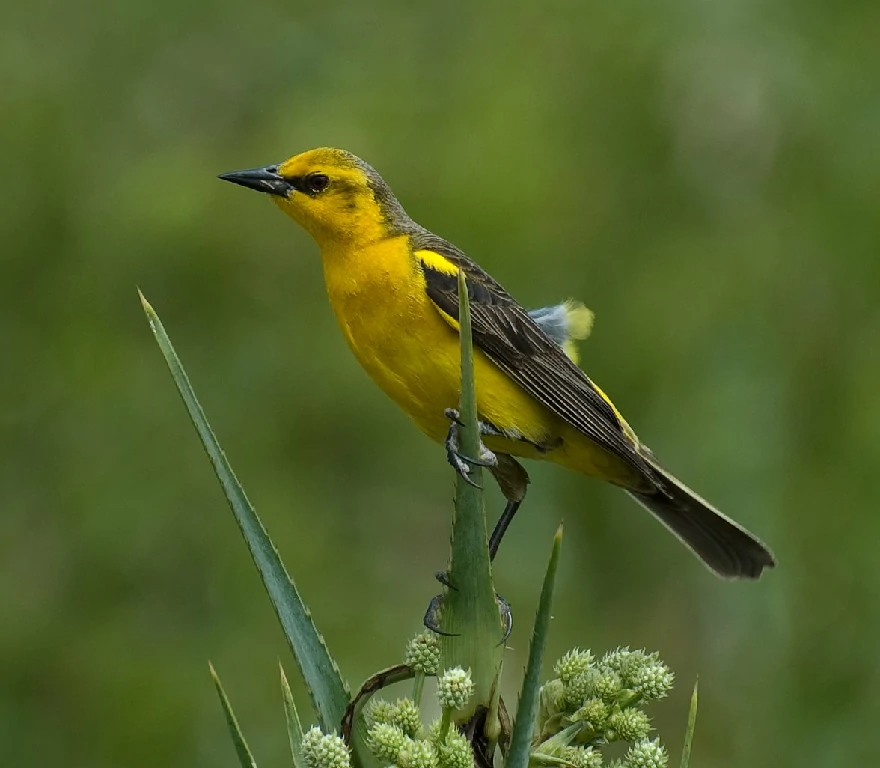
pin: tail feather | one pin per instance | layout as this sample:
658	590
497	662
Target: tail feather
724	546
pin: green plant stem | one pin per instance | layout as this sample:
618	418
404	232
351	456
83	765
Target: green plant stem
445	722
418	686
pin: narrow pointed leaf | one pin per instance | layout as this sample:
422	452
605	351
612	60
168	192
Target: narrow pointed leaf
692	724
538	758
323	680
562	739
470	611
241	748
291	717
492	729
523	728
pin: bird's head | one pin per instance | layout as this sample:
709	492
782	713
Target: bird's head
331	193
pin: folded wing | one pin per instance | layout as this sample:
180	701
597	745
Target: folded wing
516	343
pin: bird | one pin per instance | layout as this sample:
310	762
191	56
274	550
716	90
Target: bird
393	287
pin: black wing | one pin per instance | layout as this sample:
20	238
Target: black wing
506	333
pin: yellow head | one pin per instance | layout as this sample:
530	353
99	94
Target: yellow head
332	194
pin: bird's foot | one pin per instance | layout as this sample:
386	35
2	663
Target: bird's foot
432	617
443	578
460	463
435	608
506	616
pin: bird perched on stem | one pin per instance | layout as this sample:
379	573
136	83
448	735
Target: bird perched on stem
393	286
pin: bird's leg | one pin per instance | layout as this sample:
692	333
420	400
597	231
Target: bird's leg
513	481
460	463
501	527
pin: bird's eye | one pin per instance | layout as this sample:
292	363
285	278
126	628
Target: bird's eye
317	182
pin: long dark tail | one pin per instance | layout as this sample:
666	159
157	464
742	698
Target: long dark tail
723	545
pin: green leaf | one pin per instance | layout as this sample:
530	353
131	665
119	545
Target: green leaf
291	716
327	689
523	728
470	611
241	748
324	682
692	724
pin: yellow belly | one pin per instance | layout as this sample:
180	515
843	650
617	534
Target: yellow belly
413	355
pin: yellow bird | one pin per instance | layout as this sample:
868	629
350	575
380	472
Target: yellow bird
393	286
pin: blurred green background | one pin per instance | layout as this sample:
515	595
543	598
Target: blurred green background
704	175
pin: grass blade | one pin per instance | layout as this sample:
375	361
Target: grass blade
692	724
322	677
470	611
291	717
521	739
241	748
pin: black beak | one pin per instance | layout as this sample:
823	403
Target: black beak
261	179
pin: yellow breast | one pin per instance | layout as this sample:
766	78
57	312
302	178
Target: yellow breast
400	338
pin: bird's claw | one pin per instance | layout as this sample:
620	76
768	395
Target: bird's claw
453	415
460	463
507	615
443	578
488	461
432	622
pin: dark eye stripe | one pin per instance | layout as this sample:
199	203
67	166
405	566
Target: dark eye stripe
298	183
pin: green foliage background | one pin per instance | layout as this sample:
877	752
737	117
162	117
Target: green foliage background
704	175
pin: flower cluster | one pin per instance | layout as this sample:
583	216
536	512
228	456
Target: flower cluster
591	703
321	750
454	688
397	738
423	653
588	704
